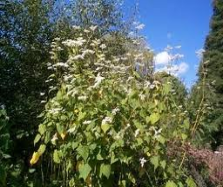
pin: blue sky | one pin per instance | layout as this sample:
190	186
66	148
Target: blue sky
176	22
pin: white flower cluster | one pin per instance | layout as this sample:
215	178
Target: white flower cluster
106	120
74	43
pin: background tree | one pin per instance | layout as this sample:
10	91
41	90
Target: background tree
211	68
27	30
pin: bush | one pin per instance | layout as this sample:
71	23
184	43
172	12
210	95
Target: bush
107	125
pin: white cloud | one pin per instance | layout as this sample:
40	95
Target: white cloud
178	47
182	68
162	58
176	70
140	27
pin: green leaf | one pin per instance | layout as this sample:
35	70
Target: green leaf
190	182
154	118
42	149
60	128
83	151
105	127
186	124
184	136
2	176
155	161
170	184
166	88
37	138
161	139
163	164
84	171
5	156
99	157
42	129
32	170
56	156
81	116
105	170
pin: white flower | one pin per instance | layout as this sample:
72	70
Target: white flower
127	126
42	93
95	43
114	111
116	59
86	31
124	58
106	120
137	133
142	161
54	138
77	57
142	96
74	43
55	110
61	64
157	132
152	86
98	80
82	98
71	130
102	46
75	27
147	84
93	28
87	122
130	78
49	80
88	51
57	39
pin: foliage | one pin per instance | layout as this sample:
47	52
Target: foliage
4	146
107	125
211	68
179	91
27	30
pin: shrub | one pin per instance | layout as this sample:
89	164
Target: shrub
106	124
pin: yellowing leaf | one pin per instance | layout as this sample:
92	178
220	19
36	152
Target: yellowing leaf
154	118
88	180
100	93
105	127
63	135
34	158
156	102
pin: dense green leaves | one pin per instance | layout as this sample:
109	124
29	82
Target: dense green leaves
109	122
